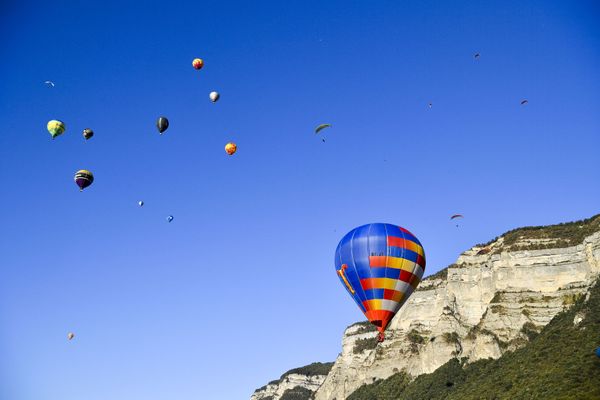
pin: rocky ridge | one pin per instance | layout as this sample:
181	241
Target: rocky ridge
489	302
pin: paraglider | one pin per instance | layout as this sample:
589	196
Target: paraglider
523	102
380	265
456	216
214	96
88	133
197	63
83	178
169	218
230	148
49	83
70	335
430	105
162	124
321	127
140	203
56	128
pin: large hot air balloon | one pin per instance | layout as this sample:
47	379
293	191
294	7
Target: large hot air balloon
83	178
197	63
231	148
380	265
56	128
162	124
88	133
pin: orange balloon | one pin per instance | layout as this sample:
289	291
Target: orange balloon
231	148
198	63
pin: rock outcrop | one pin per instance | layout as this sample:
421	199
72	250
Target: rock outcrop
294	384
489	302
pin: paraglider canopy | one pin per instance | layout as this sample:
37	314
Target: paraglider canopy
56	128
169	218
524	101
83	178
88	133
49	83
457	216
162	124
321	127
230	148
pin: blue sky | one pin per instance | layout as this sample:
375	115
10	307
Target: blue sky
241	285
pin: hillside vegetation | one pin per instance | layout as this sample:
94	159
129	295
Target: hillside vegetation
558	363
313	369
550	236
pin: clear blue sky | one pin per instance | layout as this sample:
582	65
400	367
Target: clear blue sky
241	285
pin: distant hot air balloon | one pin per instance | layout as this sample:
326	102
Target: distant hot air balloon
140	203
524	101
321	127
214	96
476	56
88	133
56	128
231	148
162	124
197	63
70	335
380	265
83	178
169	218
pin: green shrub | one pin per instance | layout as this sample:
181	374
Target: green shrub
364	344
297	393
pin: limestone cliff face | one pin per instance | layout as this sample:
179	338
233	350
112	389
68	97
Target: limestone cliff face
295	384
487	303
485	306
292	382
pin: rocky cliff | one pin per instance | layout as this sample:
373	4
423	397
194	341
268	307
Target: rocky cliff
298	383
490	301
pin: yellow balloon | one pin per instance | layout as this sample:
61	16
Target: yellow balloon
56	128
231	148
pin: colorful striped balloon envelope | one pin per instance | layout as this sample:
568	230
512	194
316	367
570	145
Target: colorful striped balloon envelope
380	265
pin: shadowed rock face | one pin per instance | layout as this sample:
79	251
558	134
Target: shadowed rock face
487	303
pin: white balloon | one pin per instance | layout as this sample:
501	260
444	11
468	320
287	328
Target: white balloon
214	96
